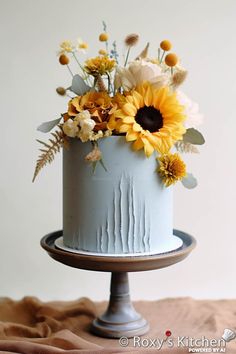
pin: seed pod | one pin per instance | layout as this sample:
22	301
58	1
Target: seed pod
61	91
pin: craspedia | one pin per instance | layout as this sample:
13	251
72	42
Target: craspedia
63	59
166	45
103	37
171	59
102	52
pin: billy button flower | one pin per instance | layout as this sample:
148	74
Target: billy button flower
103	37
171	59
64	60
166	45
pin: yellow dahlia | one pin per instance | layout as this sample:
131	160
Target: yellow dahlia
99	65
151	118
99	105
171	168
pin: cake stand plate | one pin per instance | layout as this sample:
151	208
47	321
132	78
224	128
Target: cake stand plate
120	318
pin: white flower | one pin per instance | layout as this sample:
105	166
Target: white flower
66	47
191	110
81	45
70	128
84	115
139	71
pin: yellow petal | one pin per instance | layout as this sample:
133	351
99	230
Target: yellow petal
148	148
131	136
138	144
129	109
124	128
148	96
138	100
128	120
137	127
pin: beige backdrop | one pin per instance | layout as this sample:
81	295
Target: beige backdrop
203	34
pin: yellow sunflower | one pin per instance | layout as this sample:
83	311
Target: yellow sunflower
171	168
151	118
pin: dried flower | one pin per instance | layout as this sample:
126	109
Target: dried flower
99	65
102	52
103	37
166	45
94	155
66	47
98	104
70	128
81	45
132	39
63	59
171	168
171	59
144	53
61	91
178	78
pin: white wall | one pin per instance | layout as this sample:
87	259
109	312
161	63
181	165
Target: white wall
203	34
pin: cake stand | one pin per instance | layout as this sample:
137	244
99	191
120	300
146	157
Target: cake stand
120	318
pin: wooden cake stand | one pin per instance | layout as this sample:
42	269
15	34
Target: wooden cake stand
120	318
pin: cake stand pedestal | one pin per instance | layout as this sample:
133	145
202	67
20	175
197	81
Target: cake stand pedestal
120	318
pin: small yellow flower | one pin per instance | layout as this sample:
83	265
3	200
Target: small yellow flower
171	59
81	45
102	52
63	59
99	65
66	47
103	37
166	45
171	168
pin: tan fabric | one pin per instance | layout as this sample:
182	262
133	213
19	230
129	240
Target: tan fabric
30	326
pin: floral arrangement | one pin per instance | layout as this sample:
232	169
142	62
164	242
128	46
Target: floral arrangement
140	99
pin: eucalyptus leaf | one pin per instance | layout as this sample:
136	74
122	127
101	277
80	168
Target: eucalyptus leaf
189	181
193	136
47	126
79	87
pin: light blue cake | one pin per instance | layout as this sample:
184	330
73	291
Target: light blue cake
125	210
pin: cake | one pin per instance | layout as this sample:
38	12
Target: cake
122	139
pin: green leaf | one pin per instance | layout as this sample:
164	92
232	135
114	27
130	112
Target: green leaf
47	126
189	181
193	136
79	87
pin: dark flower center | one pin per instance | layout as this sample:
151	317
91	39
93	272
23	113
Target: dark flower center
149	118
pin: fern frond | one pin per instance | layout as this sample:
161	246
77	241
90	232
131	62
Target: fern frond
49	150
184	147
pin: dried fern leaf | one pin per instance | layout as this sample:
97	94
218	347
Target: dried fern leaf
50	149
184	147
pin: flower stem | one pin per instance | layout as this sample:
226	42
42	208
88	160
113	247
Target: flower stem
162	56
127	56
69	70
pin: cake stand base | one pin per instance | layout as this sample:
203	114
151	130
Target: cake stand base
120	318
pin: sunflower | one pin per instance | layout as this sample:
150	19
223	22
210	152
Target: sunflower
99	65
99	105
171	168
151	118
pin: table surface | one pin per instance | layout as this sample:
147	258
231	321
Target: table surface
118	264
